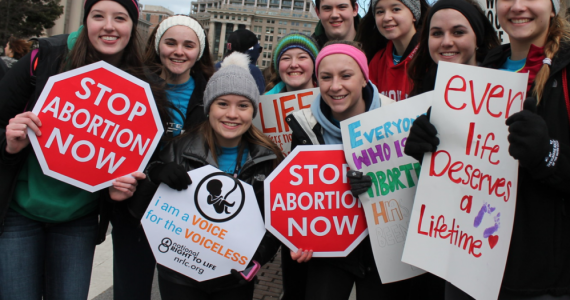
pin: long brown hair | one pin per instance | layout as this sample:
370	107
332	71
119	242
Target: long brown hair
19	47
369	35
205	65
253	136
422	69
559	30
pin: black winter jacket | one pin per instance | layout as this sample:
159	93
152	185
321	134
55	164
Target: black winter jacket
190	152
539	254
18	94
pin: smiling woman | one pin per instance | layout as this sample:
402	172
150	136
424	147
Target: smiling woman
345	91
178	54
228	141
38	213
456	31
177	58
389	39
293	64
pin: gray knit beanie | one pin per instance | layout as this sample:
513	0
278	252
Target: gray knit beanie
413	5
233	78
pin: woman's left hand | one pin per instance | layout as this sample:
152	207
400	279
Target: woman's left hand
124	187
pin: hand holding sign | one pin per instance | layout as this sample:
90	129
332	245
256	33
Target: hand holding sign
359	183
16	131
422	138
528	135
124	187
301	256
171	174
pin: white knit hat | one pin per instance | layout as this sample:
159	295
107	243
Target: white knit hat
183	21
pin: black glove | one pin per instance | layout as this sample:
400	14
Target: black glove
422	138
172	174
528	135
359	183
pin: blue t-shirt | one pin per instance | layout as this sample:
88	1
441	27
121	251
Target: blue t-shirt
179	95
513	65
397	58
227	160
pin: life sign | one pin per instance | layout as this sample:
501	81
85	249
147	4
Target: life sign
206	230
273	111
374	145
308	203
463	213
98	123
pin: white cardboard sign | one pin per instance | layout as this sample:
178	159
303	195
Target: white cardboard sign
273	110
207	230
374	145
490	9
464	207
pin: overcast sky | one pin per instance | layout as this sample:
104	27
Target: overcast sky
177	6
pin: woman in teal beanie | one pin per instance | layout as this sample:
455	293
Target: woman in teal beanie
293	64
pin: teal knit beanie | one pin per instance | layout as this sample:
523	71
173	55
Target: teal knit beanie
295	40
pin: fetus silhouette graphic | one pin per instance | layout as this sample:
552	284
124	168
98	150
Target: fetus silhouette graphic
216	199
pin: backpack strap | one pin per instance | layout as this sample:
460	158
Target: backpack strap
565	88
33	66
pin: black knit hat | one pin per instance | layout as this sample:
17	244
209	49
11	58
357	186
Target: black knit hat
132	7
468	10
241	40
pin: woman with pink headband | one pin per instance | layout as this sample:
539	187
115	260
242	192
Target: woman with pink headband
345	91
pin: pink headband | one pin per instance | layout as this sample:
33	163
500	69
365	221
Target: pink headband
345	49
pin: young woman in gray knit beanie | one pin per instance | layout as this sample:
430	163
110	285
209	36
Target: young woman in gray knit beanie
228	141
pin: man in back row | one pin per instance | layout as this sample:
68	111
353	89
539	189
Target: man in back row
338	20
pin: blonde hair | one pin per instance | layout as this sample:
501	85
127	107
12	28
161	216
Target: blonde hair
559	30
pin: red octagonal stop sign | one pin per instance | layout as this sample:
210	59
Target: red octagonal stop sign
308	203
98	123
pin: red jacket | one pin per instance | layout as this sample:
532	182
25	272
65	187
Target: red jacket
391	80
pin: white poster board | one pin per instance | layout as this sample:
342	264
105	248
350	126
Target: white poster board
206	230
273	110
374	144
490	9
464	208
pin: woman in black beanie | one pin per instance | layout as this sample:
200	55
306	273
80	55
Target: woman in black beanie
423	67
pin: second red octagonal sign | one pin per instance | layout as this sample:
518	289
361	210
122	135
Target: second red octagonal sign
308	203
98	123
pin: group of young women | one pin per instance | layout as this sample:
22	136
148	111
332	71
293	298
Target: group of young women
49	229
